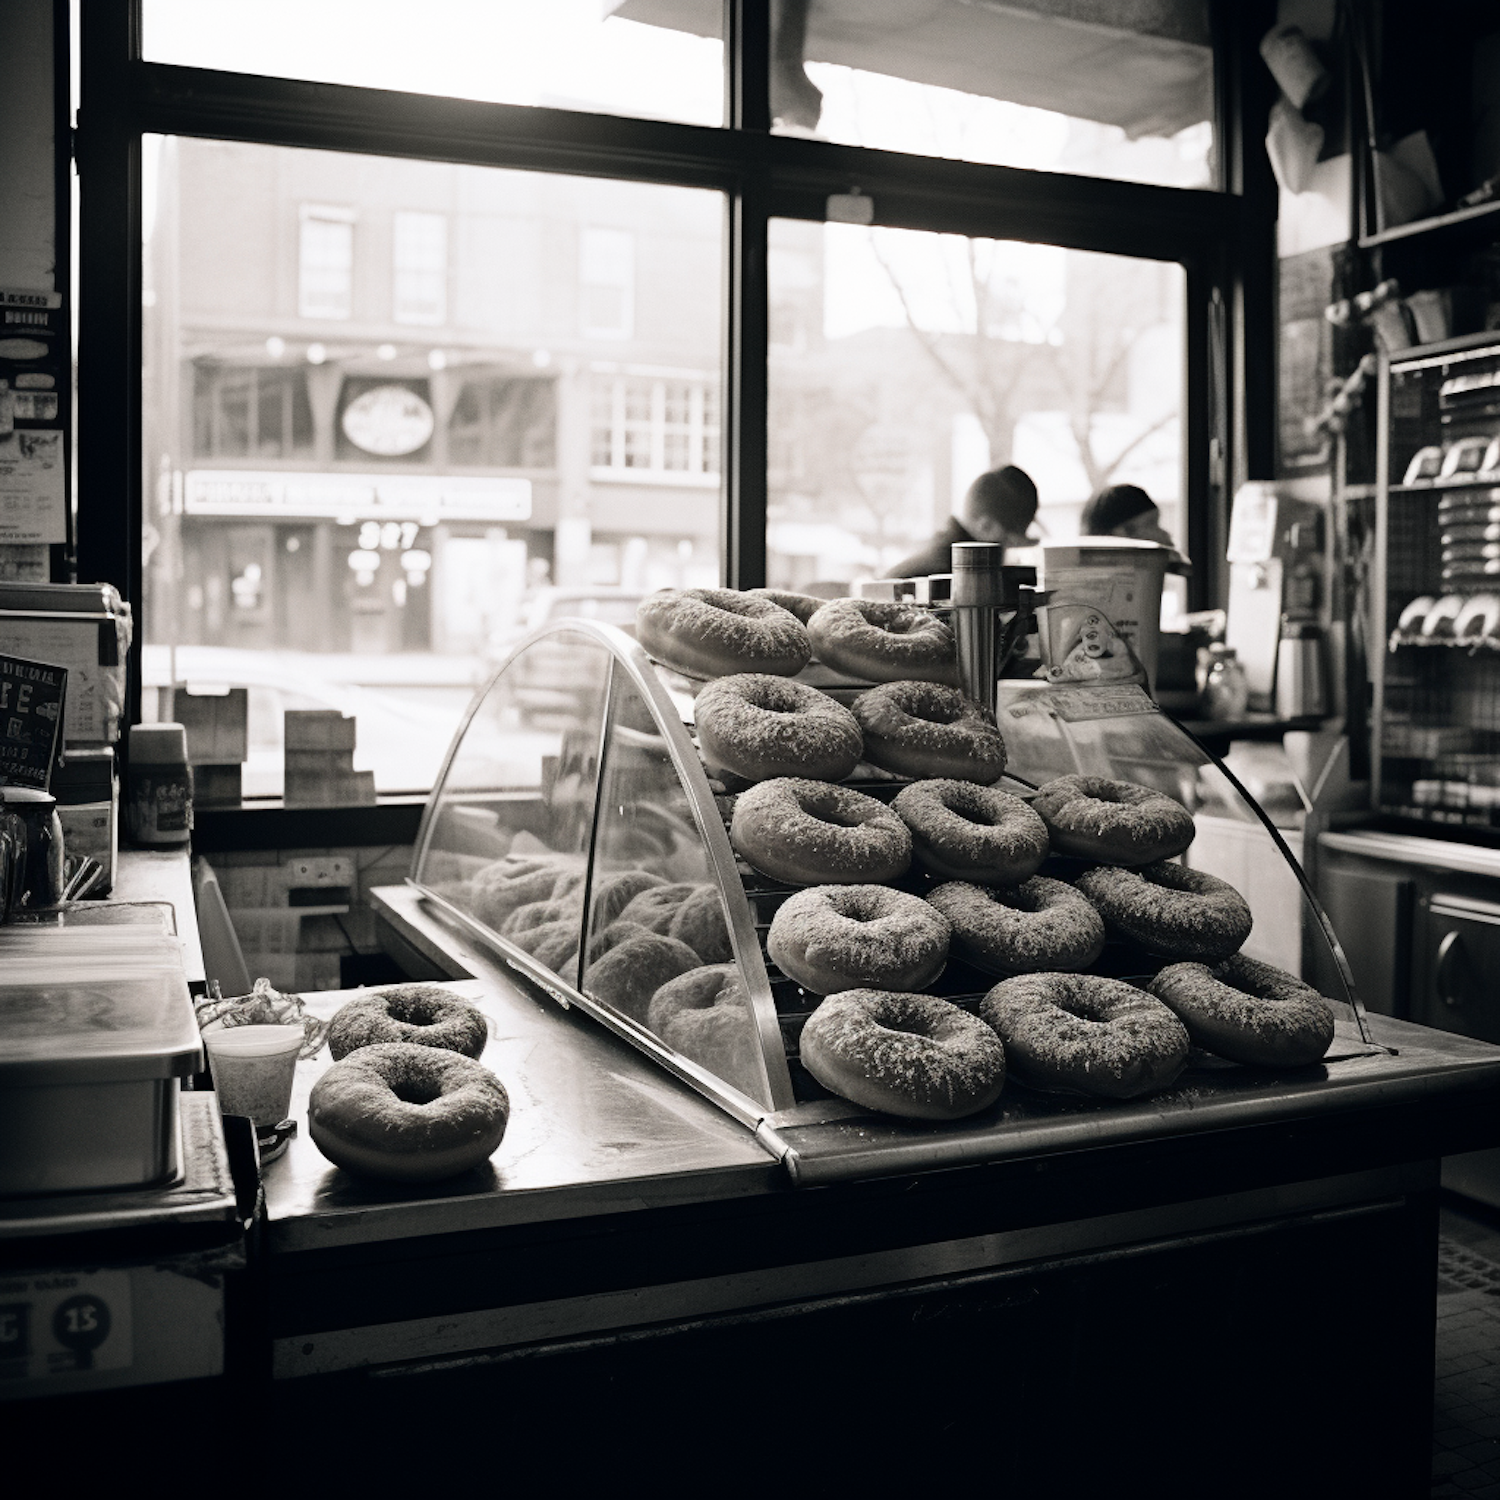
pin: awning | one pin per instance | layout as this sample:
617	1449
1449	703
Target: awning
1144	65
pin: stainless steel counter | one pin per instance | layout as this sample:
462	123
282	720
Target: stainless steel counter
597	1129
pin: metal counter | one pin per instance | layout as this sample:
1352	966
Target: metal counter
597	1129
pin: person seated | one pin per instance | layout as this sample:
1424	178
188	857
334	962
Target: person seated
999	507
1127	510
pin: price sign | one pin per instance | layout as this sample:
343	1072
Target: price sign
31	703
57	1323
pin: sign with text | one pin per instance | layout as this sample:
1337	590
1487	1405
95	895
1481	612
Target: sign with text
31	700
347	498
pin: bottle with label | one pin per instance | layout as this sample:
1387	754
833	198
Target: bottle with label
159	796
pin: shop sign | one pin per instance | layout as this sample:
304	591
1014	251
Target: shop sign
425	498
391	421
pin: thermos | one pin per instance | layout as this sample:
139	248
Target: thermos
978	597
1301	684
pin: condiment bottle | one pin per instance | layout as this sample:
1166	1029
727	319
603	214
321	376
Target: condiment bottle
159	796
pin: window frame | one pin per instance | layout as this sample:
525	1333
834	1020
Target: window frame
1224	238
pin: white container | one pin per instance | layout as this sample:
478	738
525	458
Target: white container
1102	619
253	1068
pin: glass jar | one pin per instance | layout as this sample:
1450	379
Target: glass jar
1226	691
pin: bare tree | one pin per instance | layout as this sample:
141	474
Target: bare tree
1077	364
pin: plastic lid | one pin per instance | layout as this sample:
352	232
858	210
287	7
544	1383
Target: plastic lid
158	745
26	796
91	1006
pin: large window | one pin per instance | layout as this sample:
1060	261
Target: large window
367	516
921	360
498	330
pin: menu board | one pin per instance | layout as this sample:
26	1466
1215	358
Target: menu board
31	699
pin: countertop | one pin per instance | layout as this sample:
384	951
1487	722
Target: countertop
598	1129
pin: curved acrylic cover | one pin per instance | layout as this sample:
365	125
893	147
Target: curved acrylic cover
576	832
573	821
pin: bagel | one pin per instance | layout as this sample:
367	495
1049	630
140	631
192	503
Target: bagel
960	831
909	1055
926	730
407	1113
712	632
1113	822
1170	910
705	1016
630	973
813	833
1087	1034
426	1015
1249	1012
842	937
760	726
881	641
804	606
1040	924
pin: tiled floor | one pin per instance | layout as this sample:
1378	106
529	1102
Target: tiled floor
1466	1416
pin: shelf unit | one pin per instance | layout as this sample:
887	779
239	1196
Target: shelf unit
1435	724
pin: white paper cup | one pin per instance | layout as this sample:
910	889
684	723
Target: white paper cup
253	1068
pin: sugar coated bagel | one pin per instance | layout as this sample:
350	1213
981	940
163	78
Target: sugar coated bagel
412	1114
882	641
711	632
701	924
910	1055
1037	925
813	833
1248	1011
631	972
1082	1032
705	1016
760	726
425	1015
1113	822
960	831
924	729
656	908
1170	910
843	937
804	606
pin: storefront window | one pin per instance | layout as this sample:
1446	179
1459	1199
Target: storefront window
921	360
367	515
259	412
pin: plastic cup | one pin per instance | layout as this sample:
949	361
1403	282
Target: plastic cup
253	1068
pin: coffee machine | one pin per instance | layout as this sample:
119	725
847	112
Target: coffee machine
1280	577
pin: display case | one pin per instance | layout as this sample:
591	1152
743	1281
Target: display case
1435	731
574	812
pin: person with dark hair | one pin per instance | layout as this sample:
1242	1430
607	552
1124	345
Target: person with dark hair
999	507
1127	510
